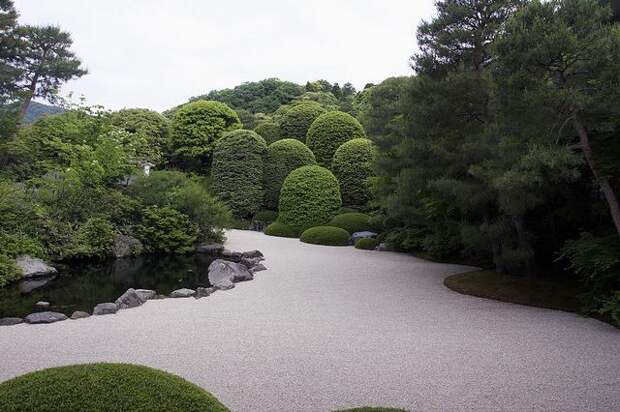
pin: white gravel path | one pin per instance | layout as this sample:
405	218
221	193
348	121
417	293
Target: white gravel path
330	328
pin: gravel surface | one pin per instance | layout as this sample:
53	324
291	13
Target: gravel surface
329	327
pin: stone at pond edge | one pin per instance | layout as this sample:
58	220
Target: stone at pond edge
28	285
126	246
252	254
213	249
34	267
42	304
129	299
182	293
146	294
362	235
105	309
258	268
45	317
222	273
10	321
204	292
78	314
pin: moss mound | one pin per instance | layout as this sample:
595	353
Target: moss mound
326	235
310	196
237	171
329	131
353	165
283	157
352	222
104	387
269	130
297	120
367	244
280	230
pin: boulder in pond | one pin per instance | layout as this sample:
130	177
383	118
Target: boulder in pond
182	293
105	309
34	267
223	273
204	292
362	235
146	294
129	299
28	285
45	317
213	249
78	314
126	246
10	321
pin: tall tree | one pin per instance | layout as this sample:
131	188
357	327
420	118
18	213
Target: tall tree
8	22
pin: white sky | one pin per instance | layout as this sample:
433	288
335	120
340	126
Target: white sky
157	54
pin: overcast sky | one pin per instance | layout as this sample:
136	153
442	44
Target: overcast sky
157	54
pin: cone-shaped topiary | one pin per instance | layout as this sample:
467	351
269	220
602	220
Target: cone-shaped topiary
297	120
353	164
237	171
310	196
326	235
283	157
196	127
269	130
329	131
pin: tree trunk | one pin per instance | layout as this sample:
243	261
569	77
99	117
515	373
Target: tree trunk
608	191
24	106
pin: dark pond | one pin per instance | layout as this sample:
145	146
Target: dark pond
81	286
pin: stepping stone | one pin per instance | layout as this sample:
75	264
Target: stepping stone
183	293
105	309
45	317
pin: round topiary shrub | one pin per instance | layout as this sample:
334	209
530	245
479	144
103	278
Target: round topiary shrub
352	222
353	164
367	243
237	172
104	387
297	120
329	131
283	157
269	130
326	235
310	196
196	127
280	230
154	127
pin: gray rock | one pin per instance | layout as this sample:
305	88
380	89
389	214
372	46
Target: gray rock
45	317
223	273
10	321
362	235
42	304
28	285
252	254
230	255
34	267
384	247
251	262
129	299
105	309
146	294
204	292
258	268
78	314
213	249
182	293
126	246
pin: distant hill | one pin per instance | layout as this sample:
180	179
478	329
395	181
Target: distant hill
37	110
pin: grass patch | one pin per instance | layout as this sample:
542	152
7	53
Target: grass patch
104	387
539	292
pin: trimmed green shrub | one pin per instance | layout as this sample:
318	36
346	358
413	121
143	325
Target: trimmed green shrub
329	131
326	235
196	127
353	164
280	230
165	229
283	157
148	124
269	130
310	196
265	216
104	387
297	120
352	222
237	172
155	189
367	244
94	239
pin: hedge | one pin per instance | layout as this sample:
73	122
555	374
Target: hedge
269	130
237	172
283	157
104	387
353	164
367	244
352	222
326	235
297	120
196	127
280	230
329	131
310	196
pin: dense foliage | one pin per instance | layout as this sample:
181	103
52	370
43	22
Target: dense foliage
297	120
195	129
237	172
326	236
353	164
310	196
352	222
150	126
283	157
167	230
269	130
329	131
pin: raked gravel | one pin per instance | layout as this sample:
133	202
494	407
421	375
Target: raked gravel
327	328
